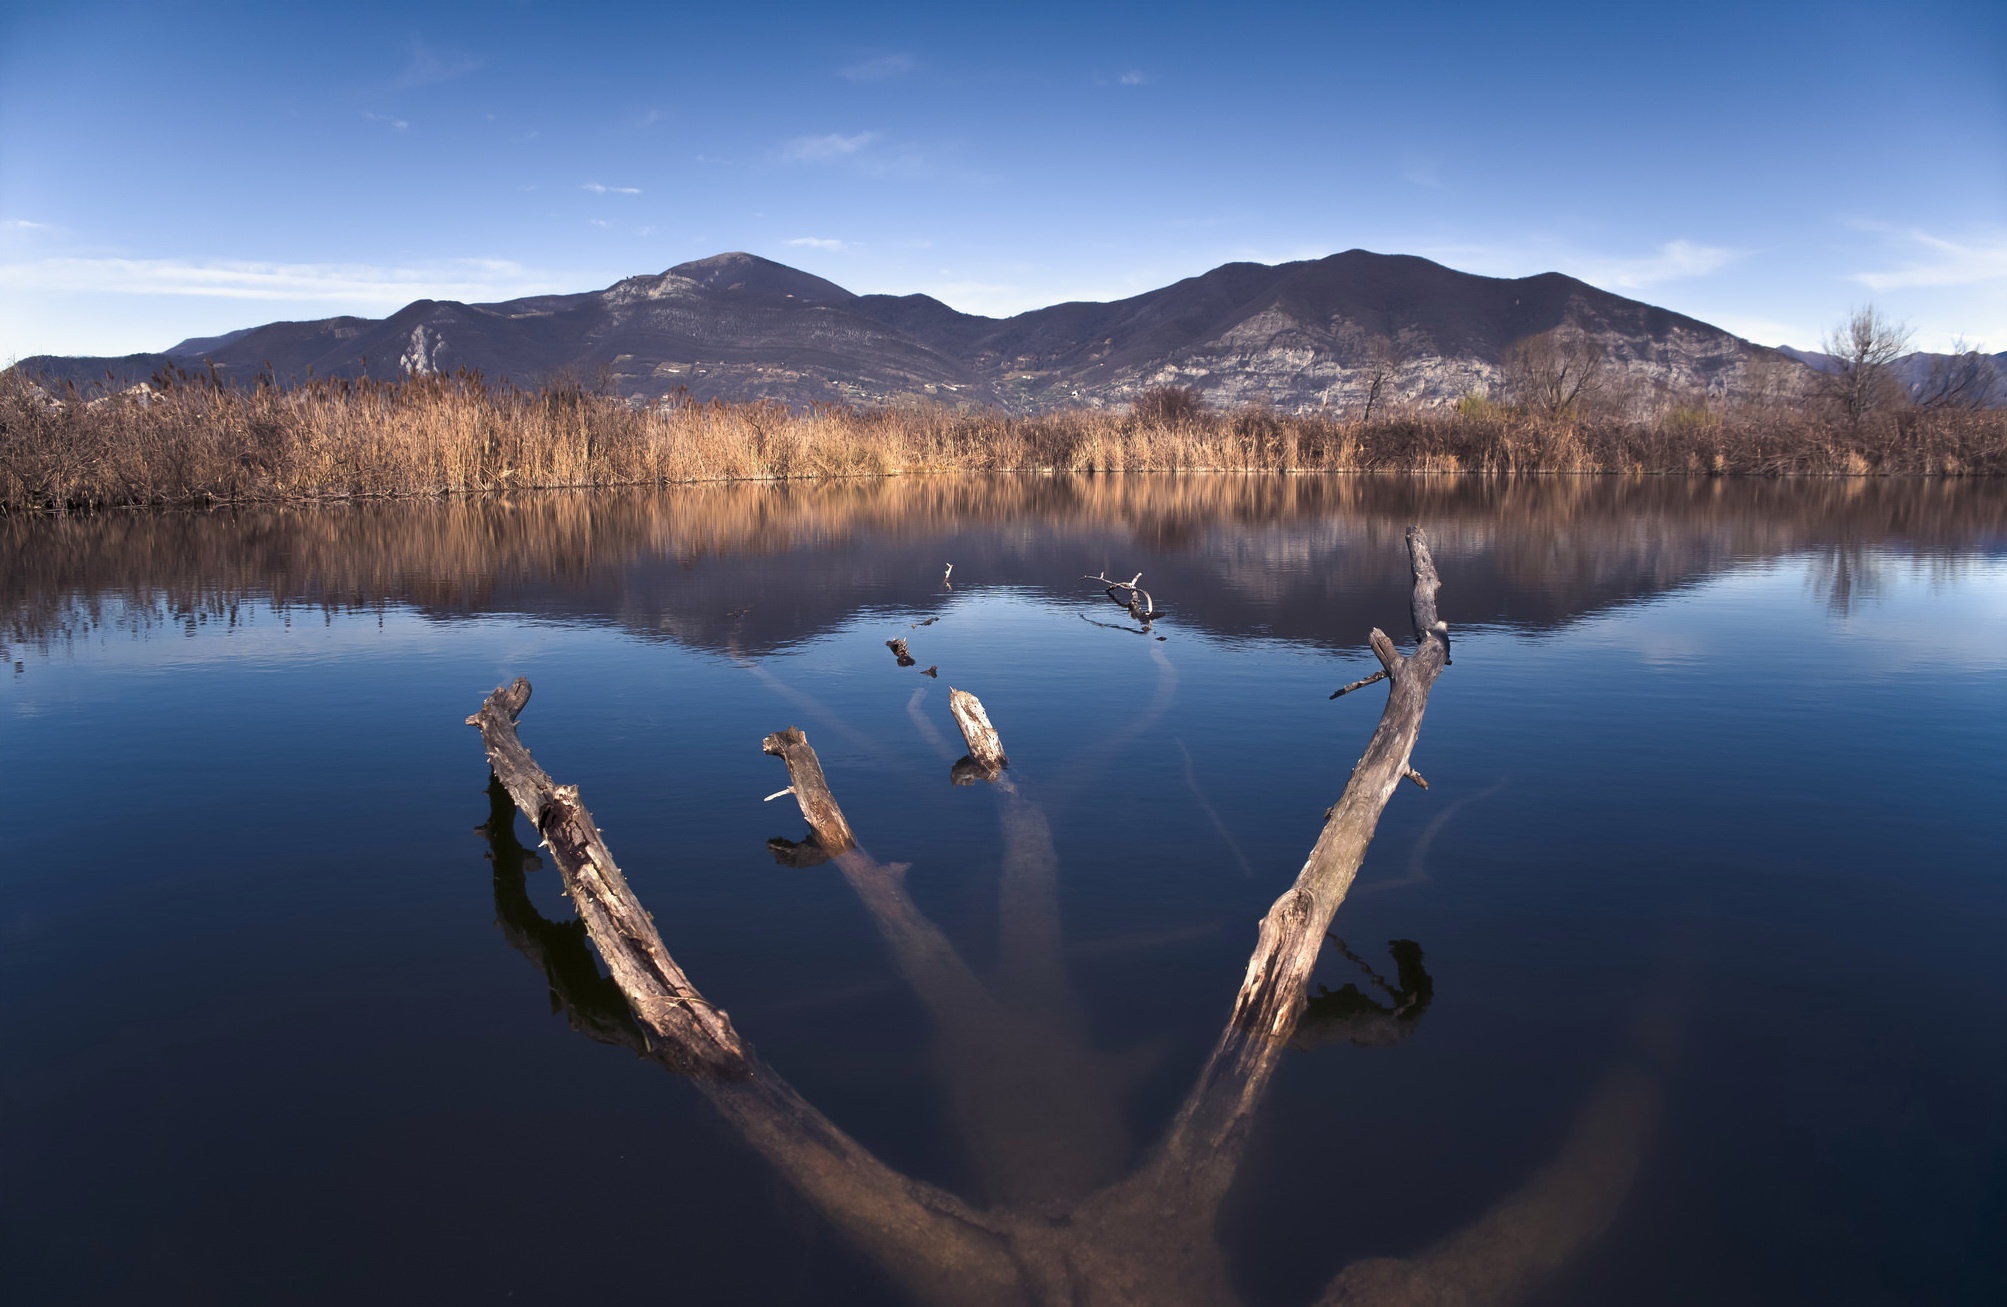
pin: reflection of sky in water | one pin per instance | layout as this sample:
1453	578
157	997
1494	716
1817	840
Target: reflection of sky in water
251	963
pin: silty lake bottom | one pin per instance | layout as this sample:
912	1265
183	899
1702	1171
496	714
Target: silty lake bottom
1683	982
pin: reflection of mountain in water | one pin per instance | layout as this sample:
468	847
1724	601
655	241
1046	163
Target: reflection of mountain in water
750	568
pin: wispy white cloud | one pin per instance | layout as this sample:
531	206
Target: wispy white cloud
1672	261
990	299
22	224
392	121
834	145
600	188
1936	261
425	65
1675	260
878	67
815	243
1767	330
359	285
1133	78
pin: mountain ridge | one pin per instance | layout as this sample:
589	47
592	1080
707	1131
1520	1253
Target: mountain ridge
1294	336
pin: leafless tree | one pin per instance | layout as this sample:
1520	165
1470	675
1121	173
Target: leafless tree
1965	378
1385	358
1553	371
1861	378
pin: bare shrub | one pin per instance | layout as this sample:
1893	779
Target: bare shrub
1169	405
1554	371
1965	378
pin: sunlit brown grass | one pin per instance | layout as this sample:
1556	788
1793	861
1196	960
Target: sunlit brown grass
193	442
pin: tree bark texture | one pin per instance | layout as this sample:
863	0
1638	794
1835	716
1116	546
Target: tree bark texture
663	998
811	789
984	746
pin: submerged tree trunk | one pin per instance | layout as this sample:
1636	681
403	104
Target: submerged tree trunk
1293	931
1149	1238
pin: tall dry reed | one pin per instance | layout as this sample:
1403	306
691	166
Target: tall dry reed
196	442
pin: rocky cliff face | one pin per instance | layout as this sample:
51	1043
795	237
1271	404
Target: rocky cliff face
1295	336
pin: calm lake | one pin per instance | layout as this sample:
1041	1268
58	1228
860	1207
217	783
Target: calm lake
1715	807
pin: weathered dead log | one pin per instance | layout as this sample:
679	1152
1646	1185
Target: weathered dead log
1150	1238
933	1243
985	748
811	789
1293	931
663	999
898	648
591	1003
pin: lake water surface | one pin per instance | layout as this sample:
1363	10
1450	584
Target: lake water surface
1715	807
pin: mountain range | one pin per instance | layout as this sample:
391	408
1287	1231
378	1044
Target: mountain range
1296	336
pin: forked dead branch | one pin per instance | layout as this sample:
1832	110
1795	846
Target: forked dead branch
1138	604
1019	1067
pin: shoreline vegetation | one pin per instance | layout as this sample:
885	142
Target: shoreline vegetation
189	441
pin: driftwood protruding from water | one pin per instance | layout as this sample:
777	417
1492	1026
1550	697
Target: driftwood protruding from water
934	1244
663	999
1139	603
1293	931
1061	1232
985	748
811	789
898	648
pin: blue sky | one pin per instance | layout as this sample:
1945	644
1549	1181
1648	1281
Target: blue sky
175	170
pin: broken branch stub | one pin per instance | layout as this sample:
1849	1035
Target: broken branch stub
1278	973
898	648
1359	684
985	748
811	789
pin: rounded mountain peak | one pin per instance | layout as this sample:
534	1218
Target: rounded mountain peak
749	274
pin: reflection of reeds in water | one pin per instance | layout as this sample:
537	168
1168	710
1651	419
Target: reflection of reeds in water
194	442
65	574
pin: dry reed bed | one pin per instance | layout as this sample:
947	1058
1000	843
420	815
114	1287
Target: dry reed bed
198	443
